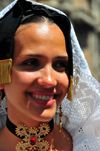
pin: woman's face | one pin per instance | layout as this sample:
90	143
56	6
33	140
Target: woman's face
39	82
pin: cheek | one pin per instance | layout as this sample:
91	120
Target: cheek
23	79
64	83
21	82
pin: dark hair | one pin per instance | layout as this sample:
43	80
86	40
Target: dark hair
36	19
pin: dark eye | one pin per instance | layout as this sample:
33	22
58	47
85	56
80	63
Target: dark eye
60	66
31	64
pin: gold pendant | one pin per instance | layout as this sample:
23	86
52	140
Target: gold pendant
32	138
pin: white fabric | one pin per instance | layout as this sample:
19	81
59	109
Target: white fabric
82	116
3	113
84	112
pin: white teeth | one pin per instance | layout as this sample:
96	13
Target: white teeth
47	97
40	97
36	96
44	97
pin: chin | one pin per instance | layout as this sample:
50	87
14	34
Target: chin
46	116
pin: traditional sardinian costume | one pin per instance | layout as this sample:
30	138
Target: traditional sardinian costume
81	117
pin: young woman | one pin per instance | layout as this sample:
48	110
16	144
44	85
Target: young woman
36	69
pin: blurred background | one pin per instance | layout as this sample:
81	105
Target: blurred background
85	16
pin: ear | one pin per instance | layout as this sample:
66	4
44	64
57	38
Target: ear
1	87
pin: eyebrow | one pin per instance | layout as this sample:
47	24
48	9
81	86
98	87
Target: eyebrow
62	57
41	56
31	55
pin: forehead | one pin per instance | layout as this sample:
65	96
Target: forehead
40	35
40	27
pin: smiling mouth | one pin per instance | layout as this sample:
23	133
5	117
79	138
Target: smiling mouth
43	97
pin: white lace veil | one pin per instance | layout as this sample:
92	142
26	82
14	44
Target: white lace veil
83	113
81	116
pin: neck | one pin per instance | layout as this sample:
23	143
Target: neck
25	118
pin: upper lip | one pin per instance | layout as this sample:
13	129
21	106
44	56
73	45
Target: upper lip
43	93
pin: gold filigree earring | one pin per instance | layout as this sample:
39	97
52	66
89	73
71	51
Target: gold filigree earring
69	96
61	113
5	71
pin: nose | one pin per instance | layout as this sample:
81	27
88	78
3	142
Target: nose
47	78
